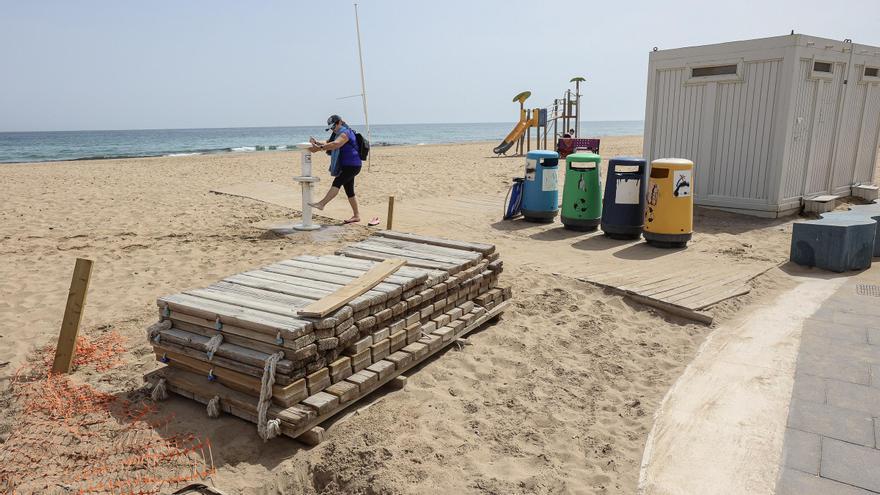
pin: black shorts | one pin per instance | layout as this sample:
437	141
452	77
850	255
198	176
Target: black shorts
345	179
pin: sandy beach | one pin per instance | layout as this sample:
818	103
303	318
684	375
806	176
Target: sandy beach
556	397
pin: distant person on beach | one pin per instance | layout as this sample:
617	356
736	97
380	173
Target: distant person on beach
571	133
345	163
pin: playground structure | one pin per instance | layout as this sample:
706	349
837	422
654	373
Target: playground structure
564	112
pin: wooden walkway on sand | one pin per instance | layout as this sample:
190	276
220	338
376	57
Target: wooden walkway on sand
685	287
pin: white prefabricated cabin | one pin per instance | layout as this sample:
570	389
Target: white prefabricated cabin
767	122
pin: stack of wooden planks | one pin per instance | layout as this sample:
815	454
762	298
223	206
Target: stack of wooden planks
216	341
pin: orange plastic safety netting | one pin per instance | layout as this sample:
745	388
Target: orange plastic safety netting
69	437
102	352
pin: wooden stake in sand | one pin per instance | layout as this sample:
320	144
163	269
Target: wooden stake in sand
390	213
76	300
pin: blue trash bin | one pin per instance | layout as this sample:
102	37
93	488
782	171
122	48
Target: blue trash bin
541	192
623	207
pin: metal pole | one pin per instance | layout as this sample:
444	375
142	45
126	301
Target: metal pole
307	182
577	112
357	26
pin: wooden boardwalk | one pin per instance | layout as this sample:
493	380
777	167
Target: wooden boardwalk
685	288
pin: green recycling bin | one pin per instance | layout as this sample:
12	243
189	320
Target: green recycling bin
582	195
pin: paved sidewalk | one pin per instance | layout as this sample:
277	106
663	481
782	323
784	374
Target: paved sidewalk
832	439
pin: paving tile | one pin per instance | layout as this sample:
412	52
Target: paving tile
793	482
809	387
851	396
874	336
850	464
840	349
846	304
875	376
801	451
829	421
877	432
838	331
839	314
827	366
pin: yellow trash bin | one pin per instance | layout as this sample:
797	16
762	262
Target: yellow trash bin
669	211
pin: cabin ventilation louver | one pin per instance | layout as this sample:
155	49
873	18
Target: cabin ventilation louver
872	72
714	70
822	67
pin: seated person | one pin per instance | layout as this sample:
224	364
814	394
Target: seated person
565	146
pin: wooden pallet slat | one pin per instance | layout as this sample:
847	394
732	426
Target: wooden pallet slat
483	248
357	287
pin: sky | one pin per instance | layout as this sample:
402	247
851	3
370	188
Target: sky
96	65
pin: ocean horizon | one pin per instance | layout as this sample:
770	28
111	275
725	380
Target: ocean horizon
48	146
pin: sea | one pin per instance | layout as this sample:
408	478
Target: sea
28	147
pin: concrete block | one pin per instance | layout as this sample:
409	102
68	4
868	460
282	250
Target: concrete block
820	204
829	421
801	451
868	192
871	211
837	243
850	464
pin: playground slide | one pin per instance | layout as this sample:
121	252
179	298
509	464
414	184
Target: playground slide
511	138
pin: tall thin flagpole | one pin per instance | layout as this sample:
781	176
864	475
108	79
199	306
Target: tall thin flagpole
357	25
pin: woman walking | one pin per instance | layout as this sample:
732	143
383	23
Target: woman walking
345	164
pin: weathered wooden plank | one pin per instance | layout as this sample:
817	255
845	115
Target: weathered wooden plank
317	270
354	289
375	256
437	241
203	389
384	248
263	343
428	248
418	274
701	304
76	300
269	323
209	327
688	285
331	281
237	297
292	287
374	295
282	395
227	350
221	362
709	285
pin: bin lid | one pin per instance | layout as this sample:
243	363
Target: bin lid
627	160
583	157
672	163
542	154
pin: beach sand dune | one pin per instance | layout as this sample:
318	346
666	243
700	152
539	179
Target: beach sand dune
556	397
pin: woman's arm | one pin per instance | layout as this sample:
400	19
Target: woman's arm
339	142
